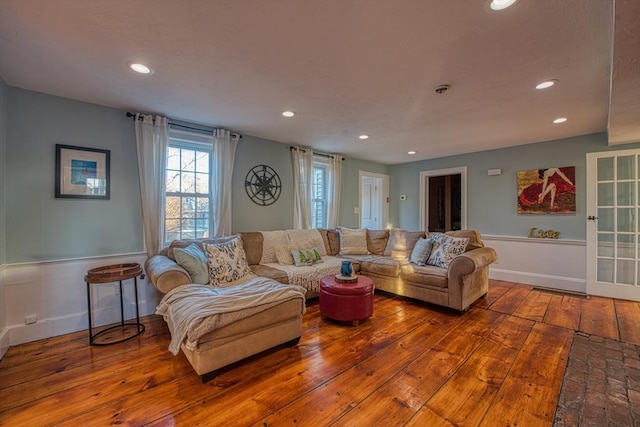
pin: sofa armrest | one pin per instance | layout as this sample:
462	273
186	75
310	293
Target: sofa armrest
165	274
471	261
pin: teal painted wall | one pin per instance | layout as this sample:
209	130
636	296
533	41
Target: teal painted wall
3	168
492	200
248	216
41	227
3	204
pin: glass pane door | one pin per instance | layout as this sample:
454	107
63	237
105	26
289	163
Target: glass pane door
612	224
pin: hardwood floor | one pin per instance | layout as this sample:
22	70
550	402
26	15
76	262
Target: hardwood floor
413	364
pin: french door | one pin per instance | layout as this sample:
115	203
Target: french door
613	194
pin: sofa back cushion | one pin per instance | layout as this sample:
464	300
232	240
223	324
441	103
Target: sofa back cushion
401	243
377	241
252	243
353	241
183	243
271	240
303	236
475	241
333	237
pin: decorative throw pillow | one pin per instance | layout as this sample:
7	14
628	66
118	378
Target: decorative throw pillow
194	261
353	241
306	256
445	249
421	252
227	263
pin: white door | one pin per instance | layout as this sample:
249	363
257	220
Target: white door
612	224
370	204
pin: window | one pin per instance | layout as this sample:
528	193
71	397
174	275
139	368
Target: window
319	194
187	197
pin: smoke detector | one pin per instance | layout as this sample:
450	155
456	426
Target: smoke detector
440	89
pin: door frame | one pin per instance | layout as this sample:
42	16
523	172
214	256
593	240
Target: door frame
593	287
424	190
384	196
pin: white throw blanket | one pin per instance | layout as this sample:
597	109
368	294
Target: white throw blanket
308	276
192	310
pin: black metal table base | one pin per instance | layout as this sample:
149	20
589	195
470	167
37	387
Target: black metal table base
123	325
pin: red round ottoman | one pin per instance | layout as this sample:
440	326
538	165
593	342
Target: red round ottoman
351	302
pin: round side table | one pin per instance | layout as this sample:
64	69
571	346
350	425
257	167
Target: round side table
351	302
108	274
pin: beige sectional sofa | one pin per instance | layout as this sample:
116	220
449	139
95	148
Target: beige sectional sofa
456	287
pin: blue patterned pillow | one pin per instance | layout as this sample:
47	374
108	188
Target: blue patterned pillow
227	263
445	249
421	251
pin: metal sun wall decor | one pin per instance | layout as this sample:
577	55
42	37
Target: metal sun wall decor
263	185
547	191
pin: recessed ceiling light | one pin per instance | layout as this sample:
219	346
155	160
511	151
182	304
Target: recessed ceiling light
546	84
363	137
560	120
288	113
411	152
501	4
140	68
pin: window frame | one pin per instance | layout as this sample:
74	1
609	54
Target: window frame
319	163
184	140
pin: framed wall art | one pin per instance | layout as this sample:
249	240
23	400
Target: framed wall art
547	191
82	173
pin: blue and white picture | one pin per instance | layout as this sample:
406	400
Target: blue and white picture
81	170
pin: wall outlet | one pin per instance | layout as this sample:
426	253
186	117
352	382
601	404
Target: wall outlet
31	319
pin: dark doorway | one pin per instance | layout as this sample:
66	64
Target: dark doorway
445	211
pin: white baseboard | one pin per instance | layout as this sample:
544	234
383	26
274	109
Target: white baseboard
46	328
570	284
4	342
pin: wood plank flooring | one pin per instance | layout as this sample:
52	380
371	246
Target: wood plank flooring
410	364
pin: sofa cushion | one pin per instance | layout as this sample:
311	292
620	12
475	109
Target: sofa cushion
227	263
194	260
183	243
401	243
353	241
270	272
271	239
377	241
252	243
383	266
299	236
475	241
427	275
334	242
421	251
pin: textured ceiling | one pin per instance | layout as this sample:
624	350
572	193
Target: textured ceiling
345	67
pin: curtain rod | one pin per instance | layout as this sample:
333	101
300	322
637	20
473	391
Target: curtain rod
314	153
174	124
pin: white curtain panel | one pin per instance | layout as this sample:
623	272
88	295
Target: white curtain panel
152	140
224	154
334	182
302	172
